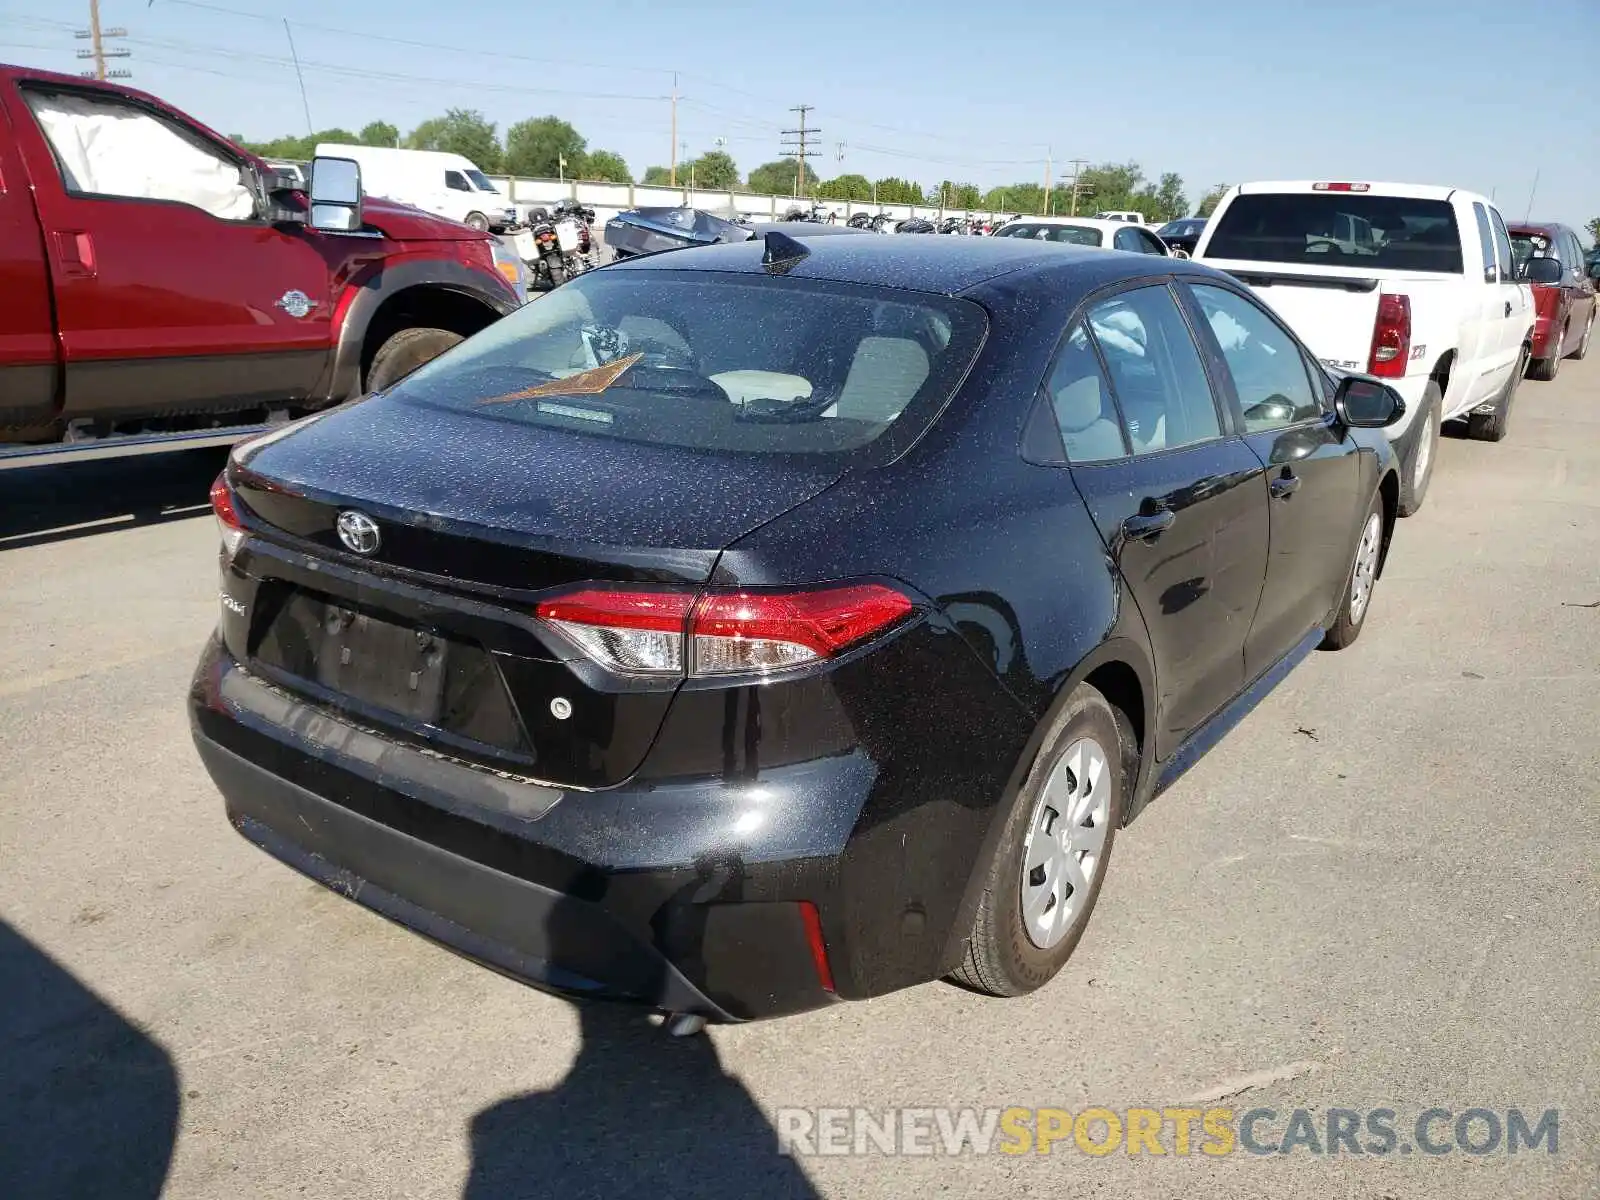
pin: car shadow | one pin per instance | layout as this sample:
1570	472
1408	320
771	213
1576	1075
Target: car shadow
40	505
88	1103
638	1114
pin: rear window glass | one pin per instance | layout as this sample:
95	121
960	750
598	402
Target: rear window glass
719	362
1340	230
1529	245
1077	235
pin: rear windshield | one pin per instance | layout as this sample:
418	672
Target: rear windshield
720	362
1340	230
1528	245
1077	235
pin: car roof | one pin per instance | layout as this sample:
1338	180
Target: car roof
1084	222
1411	191
1544	227
923	263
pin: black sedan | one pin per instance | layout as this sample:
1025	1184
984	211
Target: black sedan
745	628
1182	234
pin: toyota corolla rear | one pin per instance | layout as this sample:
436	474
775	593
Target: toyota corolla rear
477	667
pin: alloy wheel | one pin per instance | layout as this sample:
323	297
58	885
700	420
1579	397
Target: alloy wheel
1066	843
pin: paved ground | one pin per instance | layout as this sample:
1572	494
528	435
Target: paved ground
1381	892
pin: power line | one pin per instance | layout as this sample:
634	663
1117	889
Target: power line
798	147
96	37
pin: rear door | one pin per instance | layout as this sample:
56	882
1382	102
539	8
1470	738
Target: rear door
28	362
1511	309
1313	475
1487	312
1179	499
172	293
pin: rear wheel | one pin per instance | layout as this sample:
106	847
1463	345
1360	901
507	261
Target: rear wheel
1583	346
1359	583
1416	465
1051	858
1492	426
1546	369
404	352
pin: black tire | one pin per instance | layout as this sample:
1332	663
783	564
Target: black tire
1583	345
1546	369
1414	483
1493	426
1347	622
478	221
1001	958
404	352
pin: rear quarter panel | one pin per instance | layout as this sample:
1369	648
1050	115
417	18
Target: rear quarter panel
29	359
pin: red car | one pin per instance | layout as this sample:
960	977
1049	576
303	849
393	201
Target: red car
1550	257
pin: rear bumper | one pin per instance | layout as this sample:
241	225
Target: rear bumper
543	885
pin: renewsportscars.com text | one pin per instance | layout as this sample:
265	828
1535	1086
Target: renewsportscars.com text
1176	1131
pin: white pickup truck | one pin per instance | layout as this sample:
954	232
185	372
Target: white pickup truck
1413	284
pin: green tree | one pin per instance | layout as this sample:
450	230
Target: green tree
657	176
1024	198
300	148
463	131
894	190
965	195
1208	202
538	145
1170	202
379	133
1108	187
715	171
846	187
775	178
606	165
1594	230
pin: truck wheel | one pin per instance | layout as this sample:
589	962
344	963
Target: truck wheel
1546	369
1493	425
477	221
1051	858
404	352
1416	462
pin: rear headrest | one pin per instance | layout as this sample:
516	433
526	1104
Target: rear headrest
1078	404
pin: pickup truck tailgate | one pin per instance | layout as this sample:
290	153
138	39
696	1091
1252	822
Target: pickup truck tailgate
1332	311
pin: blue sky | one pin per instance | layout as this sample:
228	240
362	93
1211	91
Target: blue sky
1473	93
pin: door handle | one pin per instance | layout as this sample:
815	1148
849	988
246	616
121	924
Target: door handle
1508	308
1284	486
1146	527
75	249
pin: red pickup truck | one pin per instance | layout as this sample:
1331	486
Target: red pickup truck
161	287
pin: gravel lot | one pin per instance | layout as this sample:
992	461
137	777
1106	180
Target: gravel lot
1380	892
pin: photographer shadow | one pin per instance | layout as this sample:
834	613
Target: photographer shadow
88	1103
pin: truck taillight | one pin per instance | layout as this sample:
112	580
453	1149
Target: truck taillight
232	528
1341	187
1391	337
721	633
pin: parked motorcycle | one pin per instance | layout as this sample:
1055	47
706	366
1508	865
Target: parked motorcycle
916	225
881	222
860	220
574	224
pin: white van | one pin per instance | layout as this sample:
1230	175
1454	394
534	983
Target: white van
447	184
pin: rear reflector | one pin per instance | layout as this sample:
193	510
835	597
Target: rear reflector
723	633
232	529
1391	337
819	949
1341	187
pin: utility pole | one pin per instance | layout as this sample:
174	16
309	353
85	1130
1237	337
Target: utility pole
96	36
1078	164
1045	211
672	169
799	150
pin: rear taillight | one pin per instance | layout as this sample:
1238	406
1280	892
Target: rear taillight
1391	337
1341	187
721	633
228	522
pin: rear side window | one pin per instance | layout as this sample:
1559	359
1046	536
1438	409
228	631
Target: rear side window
1077	235
1502	247
1155	368
1340	229
1081	399
717	362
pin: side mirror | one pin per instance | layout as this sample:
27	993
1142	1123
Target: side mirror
335	195
1543	270
1366	403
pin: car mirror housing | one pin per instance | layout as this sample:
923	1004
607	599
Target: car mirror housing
1543	270
335	195
1363	402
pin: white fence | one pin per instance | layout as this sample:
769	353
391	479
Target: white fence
608	199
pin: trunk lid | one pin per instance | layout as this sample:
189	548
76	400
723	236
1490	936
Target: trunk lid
1332	310
432	636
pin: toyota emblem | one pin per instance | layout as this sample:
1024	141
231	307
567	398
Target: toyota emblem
358	532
